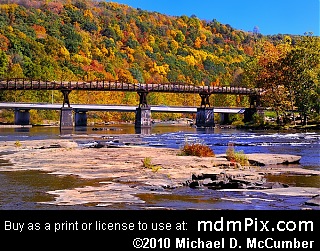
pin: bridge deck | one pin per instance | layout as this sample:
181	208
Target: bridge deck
119	108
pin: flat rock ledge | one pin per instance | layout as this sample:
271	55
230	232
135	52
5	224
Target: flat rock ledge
262	159
120	170
314	201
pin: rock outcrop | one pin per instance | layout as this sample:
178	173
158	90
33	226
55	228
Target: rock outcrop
230	181
263	159
121	174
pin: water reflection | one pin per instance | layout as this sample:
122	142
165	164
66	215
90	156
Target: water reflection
143	131
28	189
296	180
22	129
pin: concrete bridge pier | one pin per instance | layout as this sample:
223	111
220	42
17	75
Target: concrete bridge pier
254	108
248	114
81	118
21	117
205	114
143	114
66	119
205	117
66	113
224	118
143	117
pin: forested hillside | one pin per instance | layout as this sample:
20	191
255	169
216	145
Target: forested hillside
94	40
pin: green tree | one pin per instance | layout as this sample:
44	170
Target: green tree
137	74
3	64
301	71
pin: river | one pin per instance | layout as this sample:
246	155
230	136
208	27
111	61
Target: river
28	189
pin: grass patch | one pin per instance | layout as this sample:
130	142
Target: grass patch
236	156
147	163
17	143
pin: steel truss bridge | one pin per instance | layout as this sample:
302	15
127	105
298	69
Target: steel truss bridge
142	89
144	110
28	84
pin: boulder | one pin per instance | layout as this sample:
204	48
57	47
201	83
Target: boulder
229	181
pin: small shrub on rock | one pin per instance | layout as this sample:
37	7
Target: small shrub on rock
236	156
197	149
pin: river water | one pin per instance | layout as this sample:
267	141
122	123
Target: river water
28	189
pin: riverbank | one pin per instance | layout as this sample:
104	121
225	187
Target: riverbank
120	172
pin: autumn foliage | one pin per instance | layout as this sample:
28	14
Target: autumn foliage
197	149
87	40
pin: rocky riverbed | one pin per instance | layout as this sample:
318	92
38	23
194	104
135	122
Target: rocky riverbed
121	174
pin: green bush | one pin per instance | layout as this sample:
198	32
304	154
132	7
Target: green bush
236	156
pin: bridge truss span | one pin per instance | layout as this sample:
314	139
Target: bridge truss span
103	85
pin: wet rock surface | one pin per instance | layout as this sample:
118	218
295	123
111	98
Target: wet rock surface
230	181
118	166
314	201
